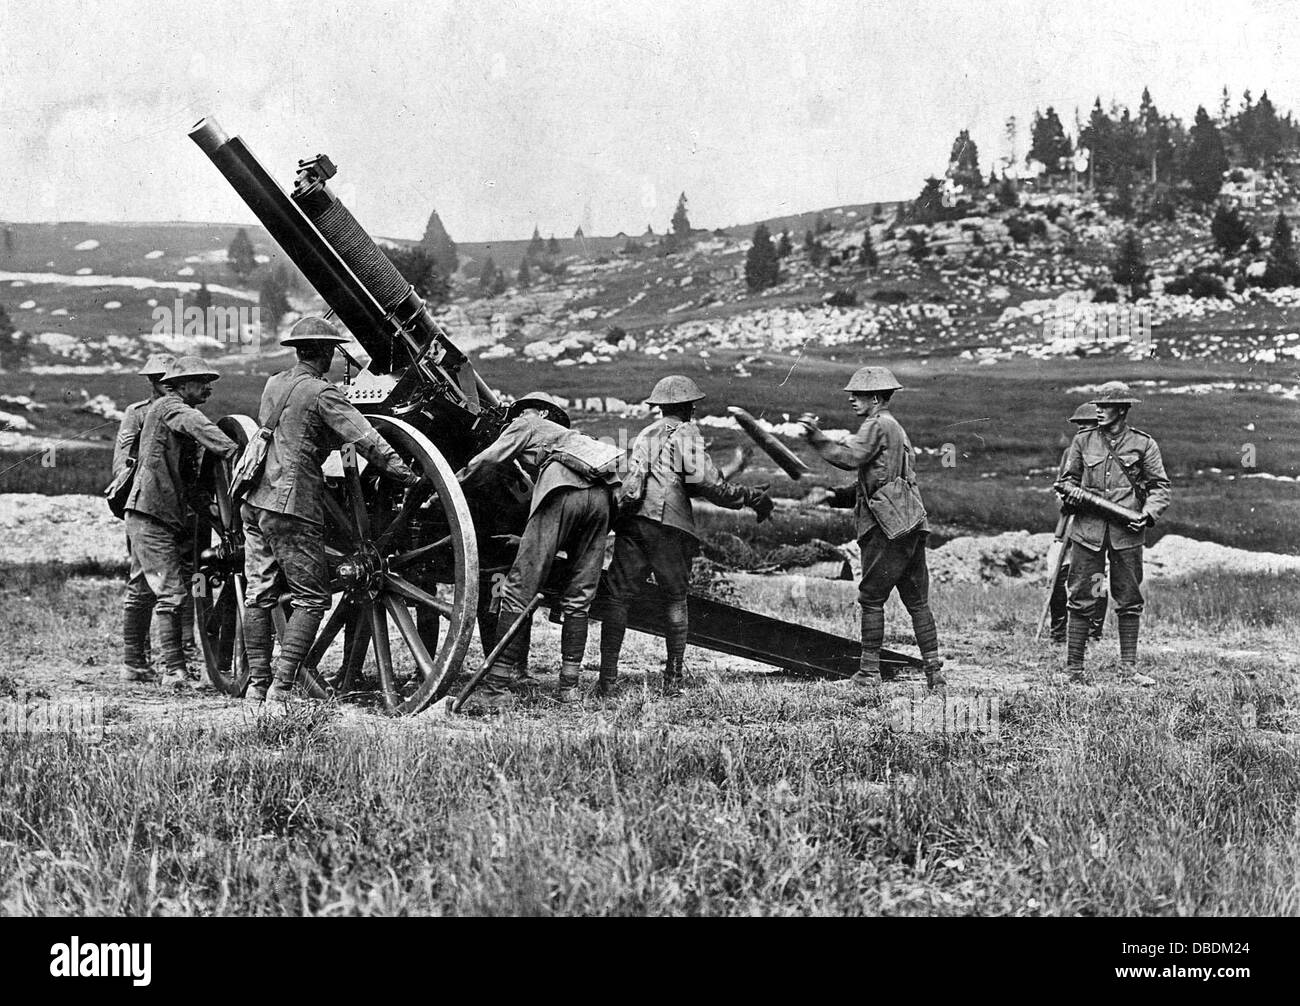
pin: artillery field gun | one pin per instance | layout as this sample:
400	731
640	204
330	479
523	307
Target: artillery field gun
420	561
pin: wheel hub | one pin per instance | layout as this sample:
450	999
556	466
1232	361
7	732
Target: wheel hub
362	570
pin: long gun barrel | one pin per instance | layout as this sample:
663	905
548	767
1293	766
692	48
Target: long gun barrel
360	284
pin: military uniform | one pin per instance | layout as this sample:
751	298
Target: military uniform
569	512
1094	540
879	453
159	524
283	515
659	535
1086	418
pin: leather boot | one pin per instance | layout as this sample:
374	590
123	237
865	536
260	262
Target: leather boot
299	634
169	642
873	634
673	677
934	678
135	637
258	638
612	630
1076	643
570	675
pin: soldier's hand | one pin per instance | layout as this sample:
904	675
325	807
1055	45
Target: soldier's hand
809	423
818	495
761	503
510	540
1073	494
1137	526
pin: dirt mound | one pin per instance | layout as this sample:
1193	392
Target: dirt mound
73	530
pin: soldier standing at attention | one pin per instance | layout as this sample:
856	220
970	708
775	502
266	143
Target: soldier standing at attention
1123	465
882	456
659	535
159	522
1084	418
574	478
284	545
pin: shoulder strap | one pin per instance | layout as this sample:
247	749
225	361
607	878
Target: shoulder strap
274	421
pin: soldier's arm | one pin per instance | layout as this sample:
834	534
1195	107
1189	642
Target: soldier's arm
351	427
504	449
1158	485
1072	467
202	430
126	434
704	480
854	452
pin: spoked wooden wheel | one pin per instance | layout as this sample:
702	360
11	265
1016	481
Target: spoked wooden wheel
404	570
219	560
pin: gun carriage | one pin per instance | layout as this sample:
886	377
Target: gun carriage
411	569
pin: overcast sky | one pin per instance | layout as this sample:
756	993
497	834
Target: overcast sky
504	114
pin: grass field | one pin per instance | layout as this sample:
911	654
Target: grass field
751	795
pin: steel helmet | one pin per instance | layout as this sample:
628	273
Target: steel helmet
1085	413
675	389
312	328
189	368
1114	393
157	365
872	379
540	400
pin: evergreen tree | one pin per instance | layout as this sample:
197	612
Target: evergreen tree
762	267
867	253
1098	137
272	301
816	254
536	246
1228	229
1282	268
928	206
421	269
203	298
1130	266
15	347
488	274
525	278
552	246
438	244
1048	143
681	223
1007	194
241	255
784	247
1206	162
964	161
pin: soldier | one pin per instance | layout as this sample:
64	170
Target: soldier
1124	465
283	515
574	477
125	448
659	533
159	521
1084	418
881	453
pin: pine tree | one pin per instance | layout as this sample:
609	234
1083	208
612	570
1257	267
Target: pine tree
552	246
1130	266
15	347
1048	143
488	274
964	161
203	298
928	206
1282	268
1228	229
1007	194
241	255
1098	137
422	270
438	244
536	246
762	267
272	302
525	278
784	247
867	253
681	223
1206	161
